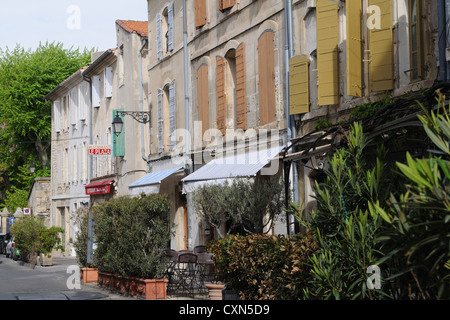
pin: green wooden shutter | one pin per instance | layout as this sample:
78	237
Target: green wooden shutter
119	141
327	52
354	48
382	49
299	84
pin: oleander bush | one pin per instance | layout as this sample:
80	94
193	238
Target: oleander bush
262	266
130	234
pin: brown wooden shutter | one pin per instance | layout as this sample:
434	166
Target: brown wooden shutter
220	91
203	97
266	82
241	103
200	13
225	4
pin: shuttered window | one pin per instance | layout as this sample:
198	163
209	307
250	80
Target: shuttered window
200	13
220	91
266	81
172	120
203	97
159	44
226	4
160	122
57	115
84	96
170	26
381	47
299	84
96	91
108	82
241	99
73	107
327	52
354	48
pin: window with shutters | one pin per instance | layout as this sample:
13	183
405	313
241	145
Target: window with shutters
226	4
299	84
165	31
57	115
166	118
108	82
96	91
327	52
203	98
220	92
266	78
415	39
230	89
381	51
73	106
200	13
354	48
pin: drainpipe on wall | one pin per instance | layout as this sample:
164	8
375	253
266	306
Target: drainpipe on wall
442	40
291	130
141	102
186	119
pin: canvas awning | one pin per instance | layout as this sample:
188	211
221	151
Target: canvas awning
151	182
102	187
220	170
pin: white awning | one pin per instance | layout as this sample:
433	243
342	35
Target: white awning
151	182
220	170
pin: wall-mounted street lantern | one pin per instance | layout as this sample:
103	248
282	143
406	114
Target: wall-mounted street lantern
32	168
139	116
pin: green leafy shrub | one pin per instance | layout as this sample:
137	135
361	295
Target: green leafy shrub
417	244
33	238
130	233
81	242
264	267
344	227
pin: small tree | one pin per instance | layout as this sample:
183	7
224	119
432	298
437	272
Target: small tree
251	206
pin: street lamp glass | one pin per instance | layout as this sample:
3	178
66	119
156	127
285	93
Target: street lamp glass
117	125
32	168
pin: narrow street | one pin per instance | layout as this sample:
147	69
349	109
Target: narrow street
21	282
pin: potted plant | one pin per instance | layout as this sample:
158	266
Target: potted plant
89	272
130	233
50	241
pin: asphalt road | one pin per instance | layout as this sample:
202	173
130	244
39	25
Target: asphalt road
18	281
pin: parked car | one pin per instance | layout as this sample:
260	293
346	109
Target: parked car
4	239
11	250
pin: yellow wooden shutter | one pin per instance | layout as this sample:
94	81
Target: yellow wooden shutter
327	52
299	85
220	91
266	82
381	49
241	103
203	97
354	48
200	13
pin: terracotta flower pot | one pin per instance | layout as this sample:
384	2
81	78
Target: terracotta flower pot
215	290
89	275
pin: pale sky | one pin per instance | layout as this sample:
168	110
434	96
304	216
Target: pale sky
77	23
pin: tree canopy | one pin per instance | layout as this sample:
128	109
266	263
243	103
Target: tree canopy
26	77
